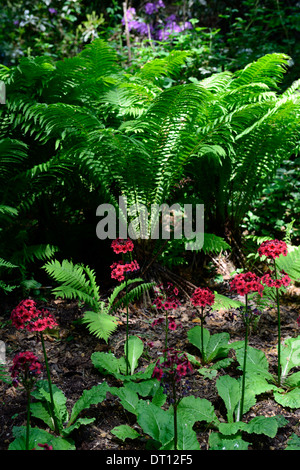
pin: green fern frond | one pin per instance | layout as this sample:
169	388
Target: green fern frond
77	281
268	69
214	244
290	263
7	264
100	324
133	294
169	66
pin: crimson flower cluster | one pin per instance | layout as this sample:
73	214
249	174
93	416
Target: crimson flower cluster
27	316
273	249
120	245
119	269
244	283
283	281
166	297
202	297
175	367
25	369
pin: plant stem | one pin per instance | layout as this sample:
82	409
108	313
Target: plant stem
175	415
28	420
56	427
166	335
245	359
279	330
202	345
127	321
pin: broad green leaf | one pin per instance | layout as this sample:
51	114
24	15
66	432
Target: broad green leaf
42	393
135	350
128	398
293	443
79	422
39	436
194	337
267	425
186	437
218	346
290	355
289	399
215	346
293	380
89	397
256	360
155	422
192	409
40	410
229	390
219	442
125	432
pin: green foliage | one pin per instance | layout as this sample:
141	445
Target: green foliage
67	424
215	346
108	363
79	282
38	436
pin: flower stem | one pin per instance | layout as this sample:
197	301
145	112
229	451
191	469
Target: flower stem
127	321
245	358
279	330
202	342
56	427
166	335
28	420
175	415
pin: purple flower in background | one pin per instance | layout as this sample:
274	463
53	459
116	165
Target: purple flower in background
150	8
16	22
160	4
172	27
52	11
130	15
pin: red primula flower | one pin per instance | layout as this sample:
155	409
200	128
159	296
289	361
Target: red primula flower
176	366
166	297
283	281
27	316
202	297
122	246
25	368
273	249
246	282
119	269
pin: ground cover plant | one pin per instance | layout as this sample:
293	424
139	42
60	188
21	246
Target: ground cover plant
149	274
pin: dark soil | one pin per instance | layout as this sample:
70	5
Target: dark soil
72	370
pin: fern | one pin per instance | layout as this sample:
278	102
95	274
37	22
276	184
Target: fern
290	263
77	282
101	324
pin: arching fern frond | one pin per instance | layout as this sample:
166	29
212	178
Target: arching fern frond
77	282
